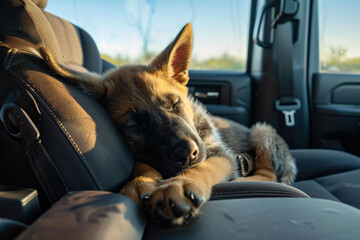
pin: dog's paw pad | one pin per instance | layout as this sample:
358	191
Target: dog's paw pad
179	209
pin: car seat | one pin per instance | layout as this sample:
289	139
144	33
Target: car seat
81	141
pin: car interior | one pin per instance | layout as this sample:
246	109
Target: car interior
63	160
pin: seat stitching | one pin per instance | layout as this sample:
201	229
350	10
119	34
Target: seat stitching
262	191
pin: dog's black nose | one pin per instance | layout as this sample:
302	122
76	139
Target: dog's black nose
194	150
185	153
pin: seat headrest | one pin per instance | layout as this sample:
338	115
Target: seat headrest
23	19
25	26
40	3
15	3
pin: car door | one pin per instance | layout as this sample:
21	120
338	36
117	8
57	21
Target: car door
334	75
225	94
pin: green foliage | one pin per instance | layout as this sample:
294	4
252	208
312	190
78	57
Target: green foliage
118	60
336	61
223	62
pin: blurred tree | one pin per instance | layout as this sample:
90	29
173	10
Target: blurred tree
223	62
144	9
334	58
336	61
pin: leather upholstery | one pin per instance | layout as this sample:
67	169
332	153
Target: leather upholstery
266	218
69	44
90	215
40	3
82	141
9	228
254	190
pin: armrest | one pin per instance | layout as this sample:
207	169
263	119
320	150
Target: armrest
103	215
20	204
265	218
89	215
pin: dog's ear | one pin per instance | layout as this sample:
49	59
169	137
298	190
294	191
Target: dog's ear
175	59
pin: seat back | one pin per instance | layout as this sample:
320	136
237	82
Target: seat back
81	139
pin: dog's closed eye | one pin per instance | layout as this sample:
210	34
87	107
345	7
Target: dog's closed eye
173	102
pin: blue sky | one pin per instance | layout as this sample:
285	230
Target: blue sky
219	26
339	25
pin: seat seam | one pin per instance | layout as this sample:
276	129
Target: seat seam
62	127
265	192
315	180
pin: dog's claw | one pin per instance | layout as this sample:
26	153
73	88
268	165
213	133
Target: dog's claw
197	200
145	197
191	196
171	203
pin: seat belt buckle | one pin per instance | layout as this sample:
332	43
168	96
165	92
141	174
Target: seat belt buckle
289	111
19	125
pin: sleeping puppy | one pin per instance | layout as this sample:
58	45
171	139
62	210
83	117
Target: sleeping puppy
181	151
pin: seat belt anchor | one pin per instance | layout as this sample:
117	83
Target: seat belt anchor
289	111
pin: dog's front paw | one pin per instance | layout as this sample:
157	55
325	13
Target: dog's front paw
139	188
176	199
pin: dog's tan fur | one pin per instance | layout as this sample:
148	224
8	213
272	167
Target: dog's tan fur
159	91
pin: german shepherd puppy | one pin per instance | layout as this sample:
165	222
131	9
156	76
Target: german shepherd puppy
181	151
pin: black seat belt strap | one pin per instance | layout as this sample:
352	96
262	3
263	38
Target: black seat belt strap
287	103
284	10
19	125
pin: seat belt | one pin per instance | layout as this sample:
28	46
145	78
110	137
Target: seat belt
282	43
19	125
287	103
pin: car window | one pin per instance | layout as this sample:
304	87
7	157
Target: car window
136	30
339	36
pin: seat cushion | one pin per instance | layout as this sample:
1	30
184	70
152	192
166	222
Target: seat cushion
315	163
329	174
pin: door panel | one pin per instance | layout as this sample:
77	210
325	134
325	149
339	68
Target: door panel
336	112
224	93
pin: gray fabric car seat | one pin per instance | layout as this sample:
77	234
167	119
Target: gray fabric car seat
329	174
81	139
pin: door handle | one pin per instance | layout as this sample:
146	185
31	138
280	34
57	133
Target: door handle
207	95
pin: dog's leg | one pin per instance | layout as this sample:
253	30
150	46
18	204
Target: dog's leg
145	180
273	161
180	197
264	170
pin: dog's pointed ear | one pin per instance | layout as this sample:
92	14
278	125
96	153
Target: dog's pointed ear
175	59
